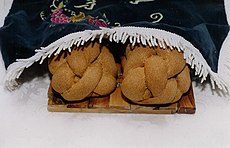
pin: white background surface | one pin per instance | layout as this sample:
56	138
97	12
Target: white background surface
26	123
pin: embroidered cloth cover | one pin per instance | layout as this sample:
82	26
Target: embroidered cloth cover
32	24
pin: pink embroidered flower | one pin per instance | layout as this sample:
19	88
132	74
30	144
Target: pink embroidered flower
98	22
59	18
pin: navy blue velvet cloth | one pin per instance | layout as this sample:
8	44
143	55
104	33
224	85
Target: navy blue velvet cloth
32	24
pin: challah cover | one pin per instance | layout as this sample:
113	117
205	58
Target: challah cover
34	30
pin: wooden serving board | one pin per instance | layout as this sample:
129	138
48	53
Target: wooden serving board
115	103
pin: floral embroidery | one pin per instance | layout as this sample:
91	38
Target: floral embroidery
60	14
59	18
80	17
98	22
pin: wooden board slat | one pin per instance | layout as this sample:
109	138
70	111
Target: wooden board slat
99	102
83	104
143	109
172	107
117	100
186	105
115	103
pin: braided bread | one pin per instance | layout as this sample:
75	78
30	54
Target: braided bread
83	72
154	75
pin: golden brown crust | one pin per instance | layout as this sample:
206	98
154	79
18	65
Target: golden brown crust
133	86
86	71
105	85
56	61
77	62
175	60
136	57
151	75
63	74
167	95
154	75
107	62
85	85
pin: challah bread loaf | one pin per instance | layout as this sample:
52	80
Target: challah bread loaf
154	75
85	71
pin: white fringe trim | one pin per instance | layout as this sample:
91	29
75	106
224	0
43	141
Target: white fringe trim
146	36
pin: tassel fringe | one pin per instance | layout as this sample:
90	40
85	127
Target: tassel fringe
145	36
